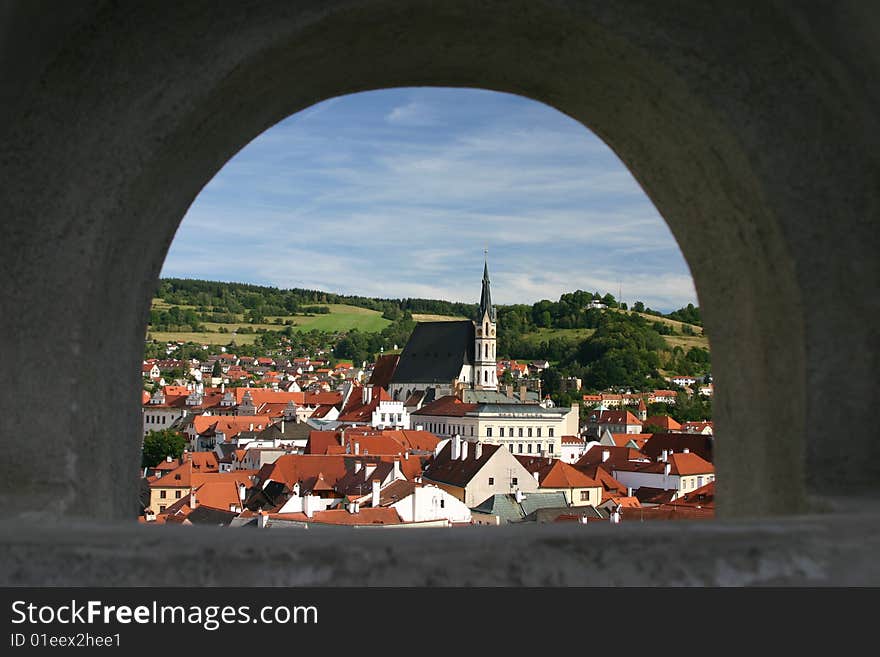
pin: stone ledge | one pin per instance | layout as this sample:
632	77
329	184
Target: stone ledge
817	550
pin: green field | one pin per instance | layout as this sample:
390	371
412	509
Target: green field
576	335
202	338
421	317
545	334
341	318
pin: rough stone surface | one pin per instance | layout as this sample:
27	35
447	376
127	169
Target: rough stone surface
753	128
794	551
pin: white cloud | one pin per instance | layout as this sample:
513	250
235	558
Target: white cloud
415	114
363	207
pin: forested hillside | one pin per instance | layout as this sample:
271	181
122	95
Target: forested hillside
606	348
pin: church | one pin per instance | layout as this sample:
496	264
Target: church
446	378
451	358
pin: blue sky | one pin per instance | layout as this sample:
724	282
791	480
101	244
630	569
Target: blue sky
396	193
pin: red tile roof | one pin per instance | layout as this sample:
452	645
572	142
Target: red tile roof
663	421
383	370
701	497
365	516
230	425
614	417
616	456
557	474
699	444
449	406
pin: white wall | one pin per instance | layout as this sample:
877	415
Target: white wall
431	503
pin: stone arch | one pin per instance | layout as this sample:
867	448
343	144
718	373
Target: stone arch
118	116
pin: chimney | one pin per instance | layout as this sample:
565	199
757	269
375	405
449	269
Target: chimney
664	456
509	390
282	426
252	427
168	459
629	492
192	500
222	387
342	437
307	506
455	447
374	499
537	477
522	393
357	448
518	496
242	492
464	450
406	455
615	515
357	466
686	450
606	454
478	451
667	469
262	519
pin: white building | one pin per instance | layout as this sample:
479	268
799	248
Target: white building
522	428
391	414
680	472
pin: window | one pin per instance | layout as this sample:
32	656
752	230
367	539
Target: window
163	494
442	503
585	496
161	509
530	448
514	481
520	446
530	432
177	495
539	431
491	481
520	432
550	448
550	432
488	432
472	430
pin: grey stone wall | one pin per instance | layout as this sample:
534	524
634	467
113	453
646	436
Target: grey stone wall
752	127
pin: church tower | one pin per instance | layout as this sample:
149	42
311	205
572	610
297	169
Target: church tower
485	373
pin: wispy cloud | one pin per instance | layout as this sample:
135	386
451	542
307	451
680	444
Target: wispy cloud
415	113
396	193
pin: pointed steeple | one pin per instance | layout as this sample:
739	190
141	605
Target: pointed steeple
486	296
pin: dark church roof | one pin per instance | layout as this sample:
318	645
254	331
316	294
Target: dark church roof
436	352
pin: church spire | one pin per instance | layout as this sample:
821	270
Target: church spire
486	296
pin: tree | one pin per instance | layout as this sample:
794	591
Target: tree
551	381
160	444
506	378
217	371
